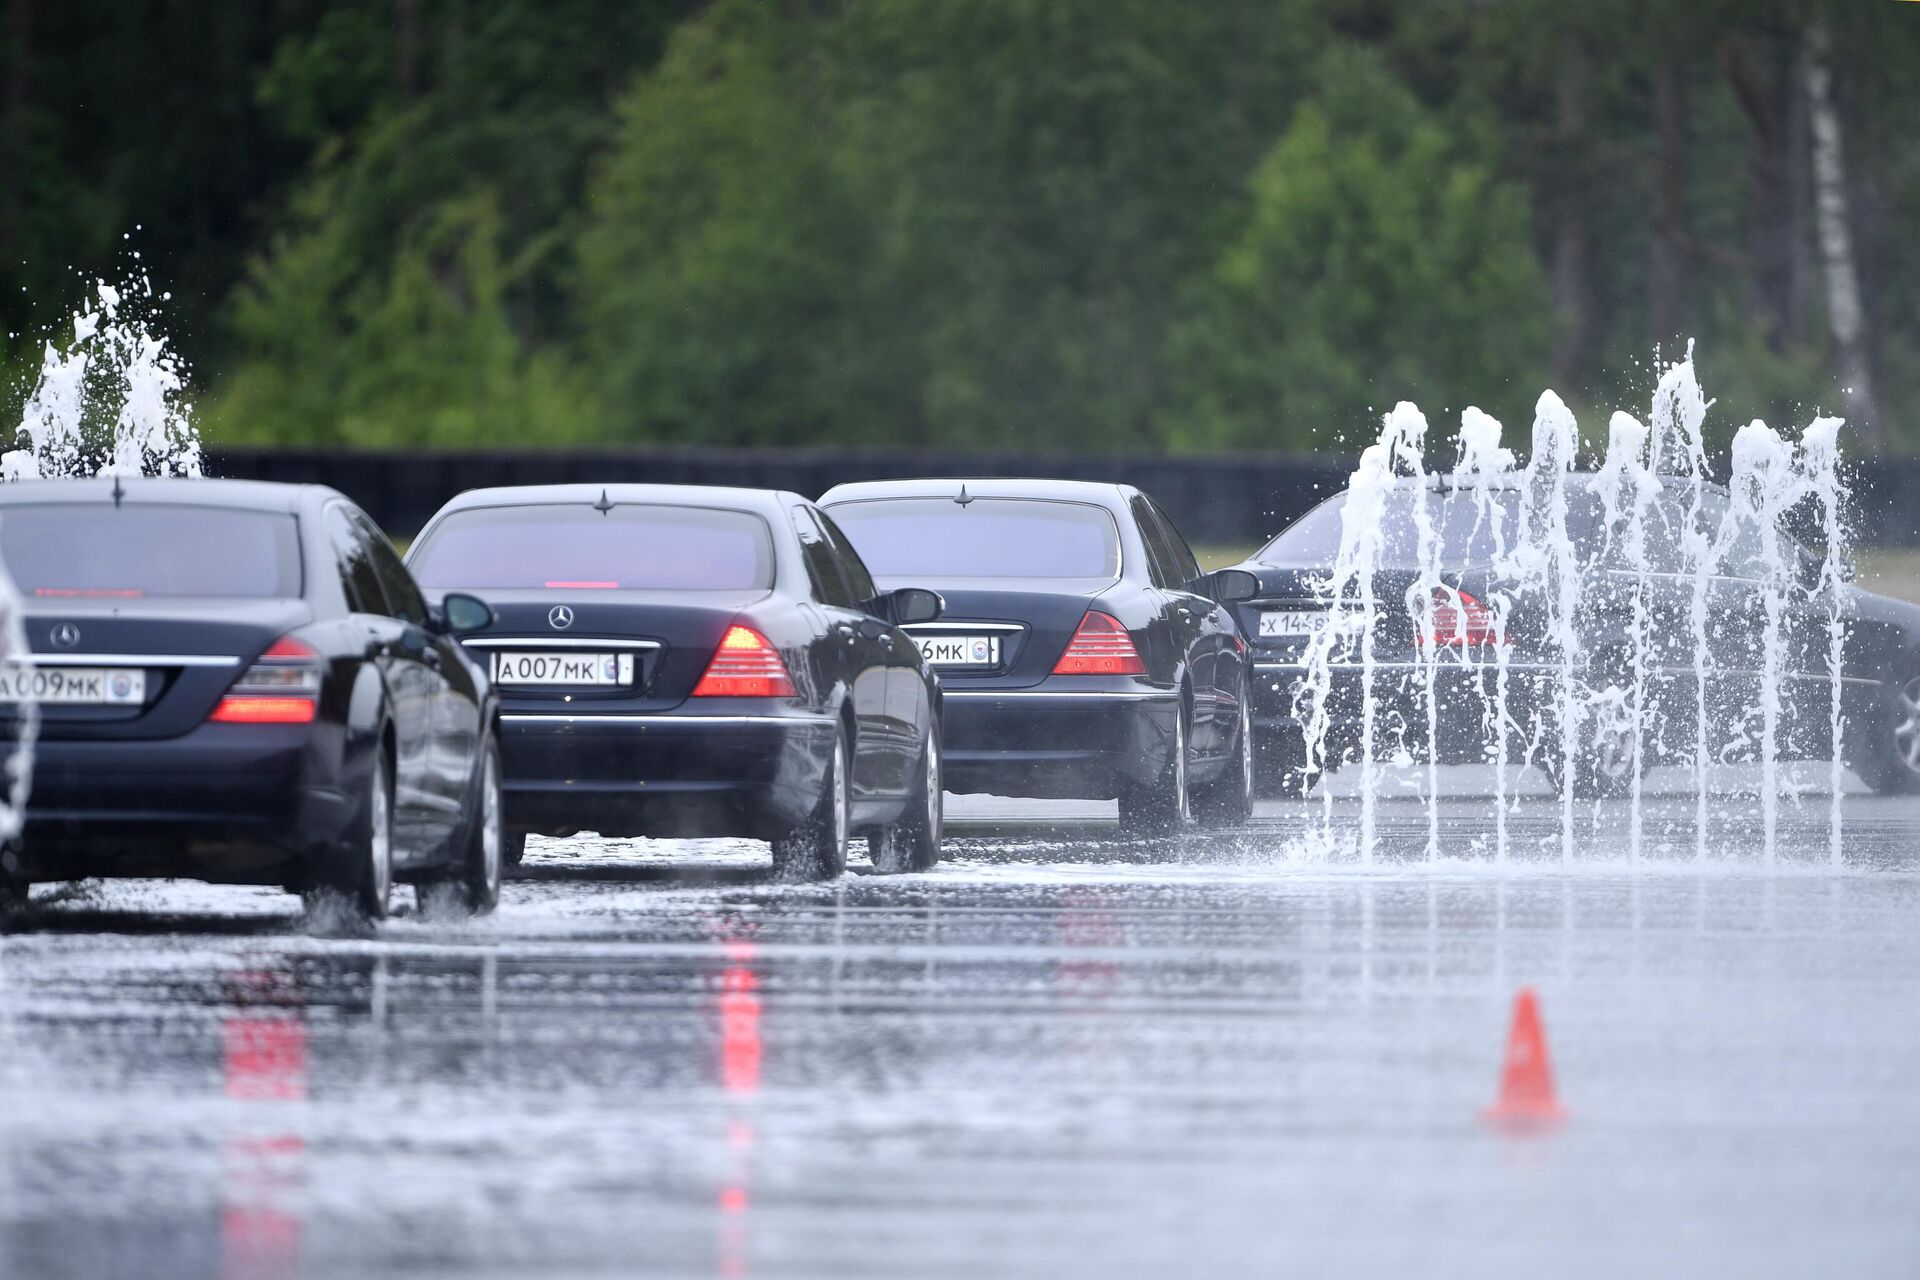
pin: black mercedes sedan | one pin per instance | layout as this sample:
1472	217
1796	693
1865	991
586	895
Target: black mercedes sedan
1704	646
1084	653
686	661
240	683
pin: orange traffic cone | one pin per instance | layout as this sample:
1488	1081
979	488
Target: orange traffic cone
1526	1098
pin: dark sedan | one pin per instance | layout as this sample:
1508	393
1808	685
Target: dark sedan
685	661
1084	653
1705	643
241	683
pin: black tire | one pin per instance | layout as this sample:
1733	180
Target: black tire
817	848
1227	801
1885	751
471	886
1163	807
1280	767
513	848
359	876
913	844
14	896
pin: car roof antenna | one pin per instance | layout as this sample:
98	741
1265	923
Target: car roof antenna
604	505
119	491
962	497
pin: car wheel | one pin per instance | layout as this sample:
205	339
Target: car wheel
1280	767
1165	805
817	848
13	896
361	877
513	848
1227	801
913	844
1886	752
1603	767
472	887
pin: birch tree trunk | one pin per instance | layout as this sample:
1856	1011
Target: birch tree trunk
1846	313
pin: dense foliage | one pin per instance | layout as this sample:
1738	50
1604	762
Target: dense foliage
1003	223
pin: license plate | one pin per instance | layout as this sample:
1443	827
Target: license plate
589	669
73	686
1288	624
960	651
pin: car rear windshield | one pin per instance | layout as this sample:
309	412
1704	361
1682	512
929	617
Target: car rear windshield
576	547
62	551
1470	535
982	538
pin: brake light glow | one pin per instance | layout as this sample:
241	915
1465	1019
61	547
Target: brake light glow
746	665
1101	647
283	687
238	708
1467	622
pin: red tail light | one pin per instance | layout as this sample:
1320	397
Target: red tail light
244	708
746	665
1101	647
1469	623
283	687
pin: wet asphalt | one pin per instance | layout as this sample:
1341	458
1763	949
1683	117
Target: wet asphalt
1060	1054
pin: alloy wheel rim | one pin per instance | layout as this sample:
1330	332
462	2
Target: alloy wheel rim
1613	754
840	797
1184	806
380	845
1906	733
1246	749
490	839
936	801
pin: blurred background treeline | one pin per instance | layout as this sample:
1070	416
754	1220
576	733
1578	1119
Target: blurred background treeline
1027	224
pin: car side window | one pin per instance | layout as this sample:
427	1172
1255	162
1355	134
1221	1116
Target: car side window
1159	562
1183	562
859	581
358	578
823	566
402	593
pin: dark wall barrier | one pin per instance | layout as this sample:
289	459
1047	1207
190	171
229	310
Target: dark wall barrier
1229	499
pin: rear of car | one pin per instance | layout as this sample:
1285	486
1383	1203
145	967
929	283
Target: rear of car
1464	646
651	680
181	720
1042	651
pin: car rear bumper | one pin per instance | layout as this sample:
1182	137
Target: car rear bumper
1056	743
231	803
756	775
1465	696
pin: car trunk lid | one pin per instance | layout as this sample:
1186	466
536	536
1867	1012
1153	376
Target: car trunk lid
177	655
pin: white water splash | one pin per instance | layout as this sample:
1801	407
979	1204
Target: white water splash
112	401
25	724
1673	554
1483	467
1820	467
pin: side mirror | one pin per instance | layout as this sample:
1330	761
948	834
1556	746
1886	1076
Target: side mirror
909	605
462	614
1230	586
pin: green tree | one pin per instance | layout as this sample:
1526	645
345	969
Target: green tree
1378	261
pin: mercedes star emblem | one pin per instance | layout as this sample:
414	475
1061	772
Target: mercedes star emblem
65	636
560	616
